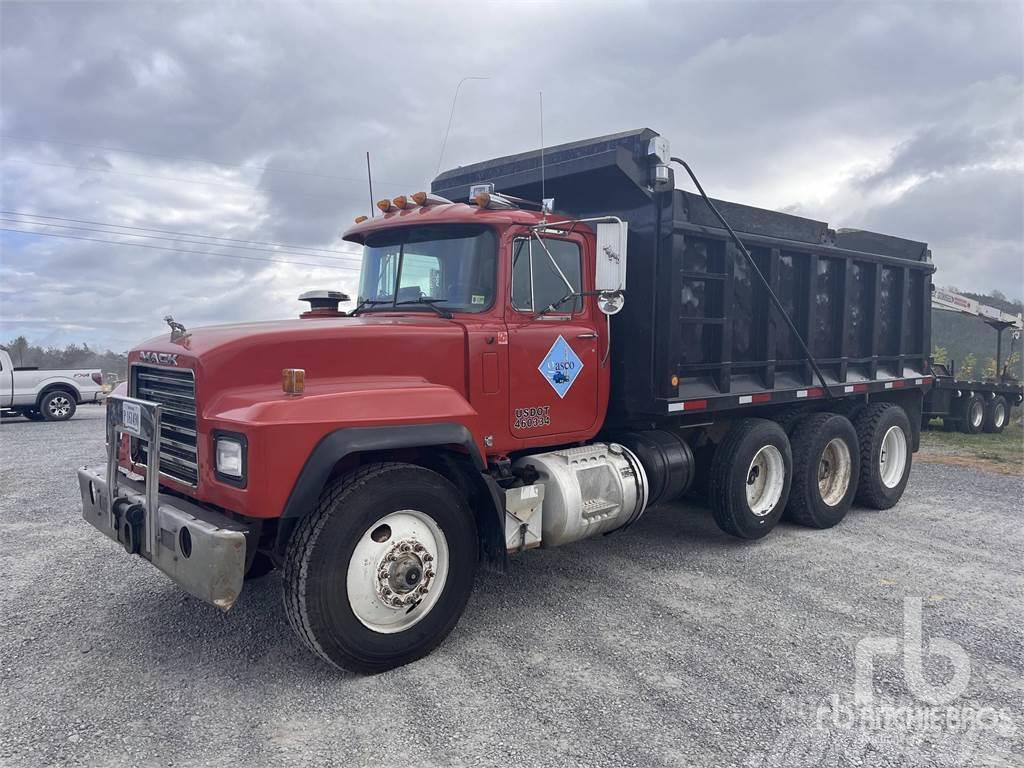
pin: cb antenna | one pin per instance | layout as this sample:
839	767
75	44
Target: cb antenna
451	115
543	210
369	180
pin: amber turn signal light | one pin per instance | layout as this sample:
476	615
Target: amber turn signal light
483	199
293	381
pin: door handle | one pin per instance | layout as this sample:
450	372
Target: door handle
586	335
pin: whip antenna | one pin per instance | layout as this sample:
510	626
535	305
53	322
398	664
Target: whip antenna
369	180
543	210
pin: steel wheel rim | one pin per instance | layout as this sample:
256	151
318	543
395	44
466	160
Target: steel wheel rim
765	479
977	413
998	415
381	590
59	405
892	458
834	470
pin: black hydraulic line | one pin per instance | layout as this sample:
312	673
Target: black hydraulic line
757	271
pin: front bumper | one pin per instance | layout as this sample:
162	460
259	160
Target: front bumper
201	550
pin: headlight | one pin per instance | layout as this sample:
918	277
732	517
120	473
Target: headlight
230	458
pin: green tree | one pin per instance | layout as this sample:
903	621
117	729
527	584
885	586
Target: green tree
989	371
967	367
940	355
18	348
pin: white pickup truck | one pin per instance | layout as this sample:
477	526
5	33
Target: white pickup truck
43	395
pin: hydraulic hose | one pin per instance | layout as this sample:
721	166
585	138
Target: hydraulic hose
760	275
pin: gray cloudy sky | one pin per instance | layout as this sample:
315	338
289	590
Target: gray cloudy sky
246	121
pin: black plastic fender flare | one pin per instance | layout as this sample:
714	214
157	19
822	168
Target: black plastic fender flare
335	446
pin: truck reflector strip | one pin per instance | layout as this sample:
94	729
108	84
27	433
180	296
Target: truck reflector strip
855	388
691	405
761	397
812	392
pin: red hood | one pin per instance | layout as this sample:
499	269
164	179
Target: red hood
253	354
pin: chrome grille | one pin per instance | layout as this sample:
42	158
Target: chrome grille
175	390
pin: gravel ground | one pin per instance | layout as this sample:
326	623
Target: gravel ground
671	644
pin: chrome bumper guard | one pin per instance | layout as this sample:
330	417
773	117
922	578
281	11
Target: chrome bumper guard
201	550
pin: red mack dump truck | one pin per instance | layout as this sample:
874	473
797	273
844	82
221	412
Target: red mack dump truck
505	382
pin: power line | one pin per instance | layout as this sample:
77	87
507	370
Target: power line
181	158
175	239
177	250
235	187
172	232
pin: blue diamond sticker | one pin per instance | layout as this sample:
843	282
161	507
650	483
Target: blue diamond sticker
560	366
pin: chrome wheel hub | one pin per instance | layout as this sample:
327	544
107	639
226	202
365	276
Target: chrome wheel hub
405	574
398	571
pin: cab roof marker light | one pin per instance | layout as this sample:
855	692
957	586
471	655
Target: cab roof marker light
401	202
425	199
385	206
493	200
361	219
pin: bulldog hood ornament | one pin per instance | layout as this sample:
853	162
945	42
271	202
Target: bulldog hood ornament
178	331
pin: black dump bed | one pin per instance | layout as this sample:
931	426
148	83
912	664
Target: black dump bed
698	326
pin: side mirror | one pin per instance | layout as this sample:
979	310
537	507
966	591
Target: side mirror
611	265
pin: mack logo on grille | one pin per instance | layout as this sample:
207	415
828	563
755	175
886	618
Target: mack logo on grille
161	358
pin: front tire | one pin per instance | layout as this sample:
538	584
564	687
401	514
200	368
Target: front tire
750	477
883	432
379	574
58	405
826	466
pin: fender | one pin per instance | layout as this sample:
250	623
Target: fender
58	383
344	442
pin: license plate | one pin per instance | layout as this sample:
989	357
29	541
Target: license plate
131	417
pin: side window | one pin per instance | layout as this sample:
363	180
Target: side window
536	283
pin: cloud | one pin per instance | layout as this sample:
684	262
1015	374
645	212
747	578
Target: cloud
255	125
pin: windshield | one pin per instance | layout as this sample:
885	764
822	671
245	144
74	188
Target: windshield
450	265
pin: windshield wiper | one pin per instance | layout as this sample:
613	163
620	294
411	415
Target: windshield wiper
366	303
429	302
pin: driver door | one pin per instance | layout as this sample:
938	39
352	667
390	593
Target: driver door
553	355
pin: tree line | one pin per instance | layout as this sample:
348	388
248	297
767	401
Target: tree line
25	354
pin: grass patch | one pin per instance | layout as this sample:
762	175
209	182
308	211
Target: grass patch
1005	449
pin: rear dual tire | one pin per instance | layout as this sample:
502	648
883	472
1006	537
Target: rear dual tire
971	414
826	467
884	437
750	478
996	415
